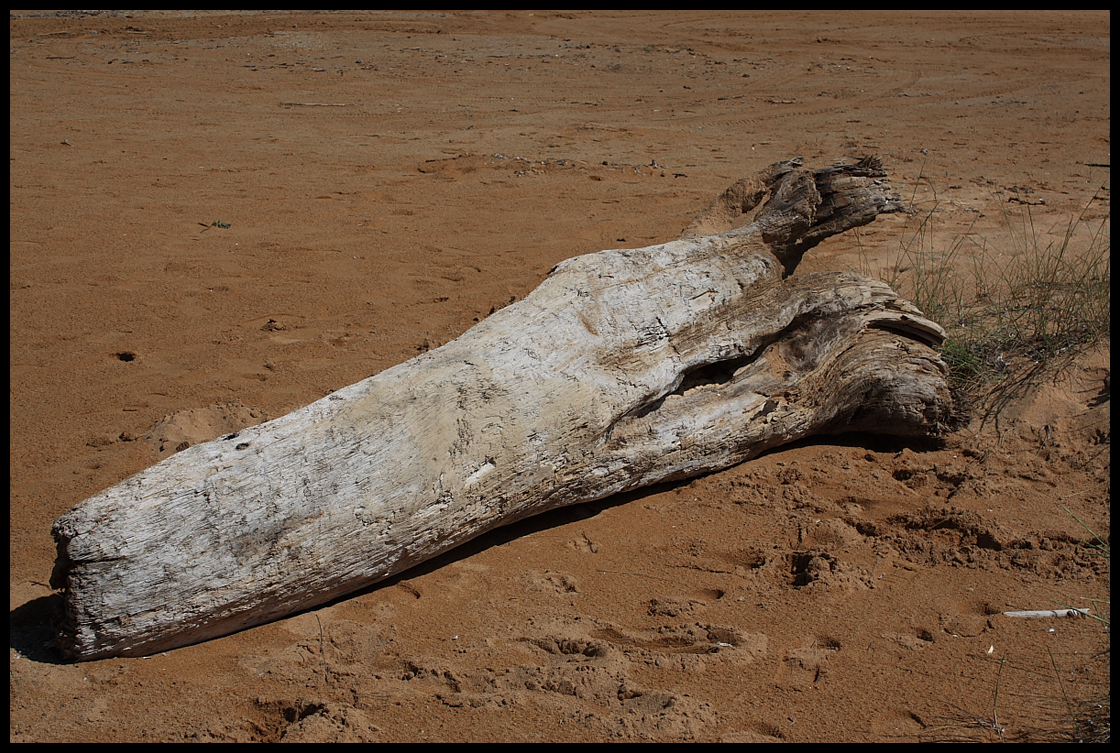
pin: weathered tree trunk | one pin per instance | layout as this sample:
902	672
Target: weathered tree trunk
624	368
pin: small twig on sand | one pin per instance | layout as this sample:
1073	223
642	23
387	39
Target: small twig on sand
1048	613
313	104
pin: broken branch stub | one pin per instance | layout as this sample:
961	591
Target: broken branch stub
624	368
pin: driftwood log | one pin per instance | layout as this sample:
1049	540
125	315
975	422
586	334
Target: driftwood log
624	368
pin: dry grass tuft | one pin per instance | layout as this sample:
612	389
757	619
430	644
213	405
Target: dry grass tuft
1014	315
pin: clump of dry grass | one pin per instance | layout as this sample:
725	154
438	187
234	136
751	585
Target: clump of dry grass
1013	315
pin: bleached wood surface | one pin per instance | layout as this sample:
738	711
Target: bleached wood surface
624	368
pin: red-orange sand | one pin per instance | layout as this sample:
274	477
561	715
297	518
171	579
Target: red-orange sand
390	179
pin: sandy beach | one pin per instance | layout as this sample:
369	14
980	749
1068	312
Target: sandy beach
216	219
